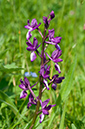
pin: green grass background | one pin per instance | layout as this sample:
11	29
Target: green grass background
14	62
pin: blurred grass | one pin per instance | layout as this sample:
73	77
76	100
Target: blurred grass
68	23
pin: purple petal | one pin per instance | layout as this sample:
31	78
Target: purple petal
50	43
33	23
28	22
49	57
22	86
34	84
28	27
36	27
45	19
35	42
29	43
21	81
23	94
55	76
38	46
30	46
57	67
44	104
58	47
32	56
49	107
41	117
52	15
47	72
42	70
59	80
54	86
46	84
57	60
56	40
31	97
59	53
45	112
27	83
55	54
29	35
51	34
29	105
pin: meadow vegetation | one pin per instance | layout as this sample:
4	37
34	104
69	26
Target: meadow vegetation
69	112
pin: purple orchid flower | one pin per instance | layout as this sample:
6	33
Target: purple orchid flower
42	70
56	80
31	101
24	85
45	75
32	47
31	27
47	21
55	55
55	58
52	40
45	109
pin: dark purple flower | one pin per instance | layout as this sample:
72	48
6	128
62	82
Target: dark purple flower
46	20
31	27
52	40
56	80
55	56
52	15
24	85
31	101
44	72
45	109
32	47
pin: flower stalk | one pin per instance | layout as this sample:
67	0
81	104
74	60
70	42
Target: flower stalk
45	77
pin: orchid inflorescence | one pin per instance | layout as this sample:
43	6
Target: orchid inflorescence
44	73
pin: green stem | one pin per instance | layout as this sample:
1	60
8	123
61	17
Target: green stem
41	83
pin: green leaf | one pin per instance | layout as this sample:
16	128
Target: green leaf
10	67
5	99
1	40
73	126
2	53
63	117
67	84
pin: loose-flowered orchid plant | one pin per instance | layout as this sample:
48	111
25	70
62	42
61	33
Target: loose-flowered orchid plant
44	74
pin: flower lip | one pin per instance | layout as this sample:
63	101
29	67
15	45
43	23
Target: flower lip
45	108
23	94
